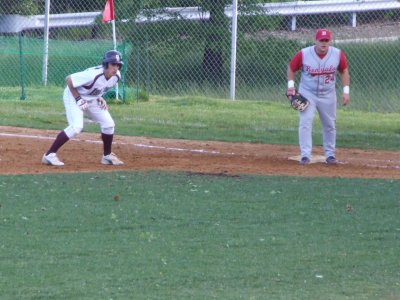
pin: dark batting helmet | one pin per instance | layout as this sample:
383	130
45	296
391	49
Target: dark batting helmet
112	57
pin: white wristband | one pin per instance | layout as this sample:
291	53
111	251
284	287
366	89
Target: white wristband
290	84
346	89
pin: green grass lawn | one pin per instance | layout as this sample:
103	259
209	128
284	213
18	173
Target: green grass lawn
183	236
65	57
208	119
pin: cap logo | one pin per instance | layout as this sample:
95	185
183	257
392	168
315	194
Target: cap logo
323	32
117	57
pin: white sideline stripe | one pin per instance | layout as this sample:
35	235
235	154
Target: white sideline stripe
40	137
26	136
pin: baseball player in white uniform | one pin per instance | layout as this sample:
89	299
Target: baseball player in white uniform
83	96
318	65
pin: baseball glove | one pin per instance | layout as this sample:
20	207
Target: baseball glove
298	102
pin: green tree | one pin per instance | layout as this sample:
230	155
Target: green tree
71	6
20	7
214	31
216	39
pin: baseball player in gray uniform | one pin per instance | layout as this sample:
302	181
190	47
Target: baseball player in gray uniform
83	96
318	65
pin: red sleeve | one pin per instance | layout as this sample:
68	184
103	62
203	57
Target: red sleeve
343	62
297	62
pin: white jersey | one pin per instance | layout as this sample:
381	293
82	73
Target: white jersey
92	83
318	76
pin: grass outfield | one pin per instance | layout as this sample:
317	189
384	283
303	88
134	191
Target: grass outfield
208	119
183	236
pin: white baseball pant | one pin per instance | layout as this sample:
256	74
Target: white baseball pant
94	112
326	108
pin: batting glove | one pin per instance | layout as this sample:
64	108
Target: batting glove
83	105
102	103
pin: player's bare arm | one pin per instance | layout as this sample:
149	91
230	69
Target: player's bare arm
345	76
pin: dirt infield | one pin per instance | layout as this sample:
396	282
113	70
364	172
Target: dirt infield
21	150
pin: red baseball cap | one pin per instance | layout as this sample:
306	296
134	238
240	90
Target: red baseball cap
323	34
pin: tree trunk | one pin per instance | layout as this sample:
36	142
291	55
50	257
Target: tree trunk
213	56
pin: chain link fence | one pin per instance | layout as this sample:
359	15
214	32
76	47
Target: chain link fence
183	47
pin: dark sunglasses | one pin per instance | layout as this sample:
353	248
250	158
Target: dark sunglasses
324	40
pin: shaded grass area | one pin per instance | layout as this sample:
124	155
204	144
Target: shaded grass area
185	236
201	118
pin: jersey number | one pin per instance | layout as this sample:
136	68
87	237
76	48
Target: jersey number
329	77
95	92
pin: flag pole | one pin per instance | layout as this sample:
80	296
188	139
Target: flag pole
114	35
115	48
109	15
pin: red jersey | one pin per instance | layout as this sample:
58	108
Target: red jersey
297	61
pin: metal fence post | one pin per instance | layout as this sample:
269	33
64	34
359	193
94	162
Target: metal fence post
353	19
46	42
21	65
293	22
233	49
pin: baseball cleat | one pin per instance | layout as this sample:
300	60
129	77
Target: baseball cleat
305	161
111	159
51	159
331	160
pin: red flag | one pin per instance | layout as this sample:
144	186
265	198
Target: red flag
108	13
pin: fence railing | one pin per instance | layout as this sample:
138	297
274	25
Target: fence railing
299	8
16	23
187	50
292	9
